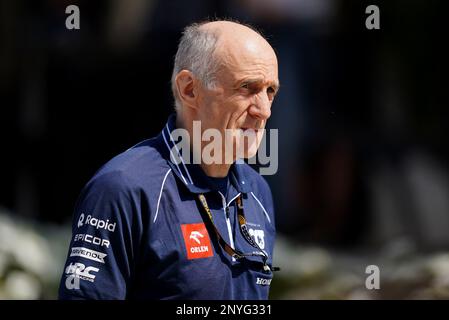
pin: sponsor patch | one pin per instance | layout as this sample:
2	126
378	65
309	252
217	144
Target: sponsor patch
88	254
76	272
258	236
94	222
91	239
197	241
263	281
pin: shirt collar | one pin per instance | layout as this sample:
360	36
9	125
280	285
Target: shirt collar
192	175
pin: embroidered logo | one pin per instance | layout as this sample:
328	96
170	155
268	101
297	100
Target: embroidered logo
197	241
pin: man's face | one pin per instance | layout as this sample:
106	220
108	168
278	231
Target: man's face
246	85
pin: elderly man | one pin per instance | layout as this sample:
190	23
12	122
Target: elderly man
152	223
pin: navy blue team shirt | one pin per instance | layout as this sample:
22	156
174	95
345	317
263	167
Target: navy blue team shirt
139	232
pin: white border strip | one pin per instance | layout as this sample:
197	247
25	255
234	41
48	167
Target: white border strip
173	157
265	211
228	223
160	195
179	154
233	199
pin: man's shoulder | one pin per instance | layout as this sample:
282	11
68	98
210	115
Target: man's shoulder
260	191
131	168
258	183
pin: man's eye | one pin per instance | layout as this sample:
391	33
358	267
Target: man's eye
271	90
245	86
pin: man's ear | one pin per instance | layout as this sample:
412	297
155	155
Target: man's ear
186	86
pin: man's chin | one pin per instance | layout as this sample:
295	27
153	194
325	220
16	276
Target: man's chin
249	152
248	145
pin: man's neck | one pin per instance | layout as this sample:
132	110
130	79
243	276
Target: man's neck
211	170
215	170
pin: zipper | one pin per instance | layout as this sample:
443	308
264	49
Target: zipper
228	221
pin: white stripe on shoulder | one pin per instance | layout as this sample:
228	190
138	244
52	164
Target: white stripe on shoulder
233	199
160	195
179	154
173	157
260	204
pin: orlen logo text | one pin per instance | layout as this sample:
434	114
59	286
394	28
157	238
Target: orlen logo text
197	241
97	223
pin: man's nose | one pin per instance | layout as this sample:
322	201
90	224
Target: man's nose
261	107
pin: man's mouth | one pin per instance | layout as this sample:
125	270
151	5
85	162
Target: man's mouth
245	129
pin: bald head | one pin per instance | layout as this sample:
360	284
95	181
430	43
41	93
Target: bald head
211	47
232	31
237	43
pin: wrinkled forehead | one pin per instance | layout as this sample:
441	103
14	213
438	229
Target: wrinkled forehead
247	57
